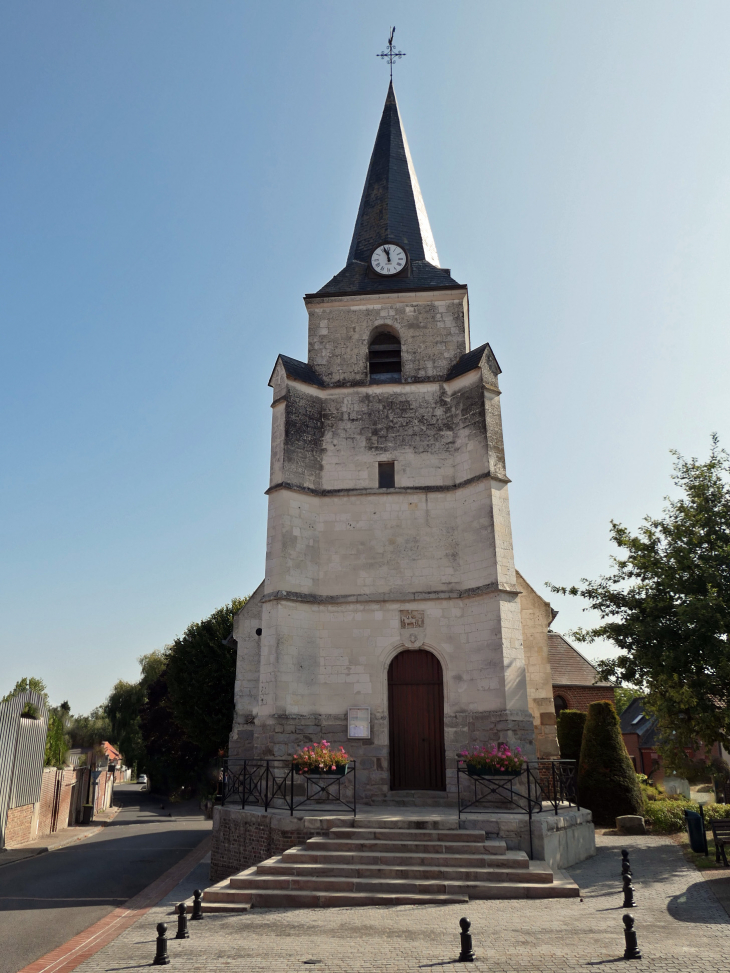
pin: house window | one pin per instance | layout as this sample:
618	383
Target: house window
384	358
560	704
386	475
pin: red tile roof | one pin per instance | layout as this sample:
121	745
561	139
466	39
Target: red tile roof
568	666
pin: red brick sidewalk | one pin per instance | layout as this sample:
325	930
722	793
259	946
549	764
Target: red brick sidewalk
67	957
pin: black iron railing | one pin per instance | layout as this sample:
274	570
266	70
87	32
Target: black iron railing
276	784
545	782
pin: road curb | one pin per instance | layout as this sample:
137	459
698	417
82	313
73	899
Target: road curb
28	851
85	944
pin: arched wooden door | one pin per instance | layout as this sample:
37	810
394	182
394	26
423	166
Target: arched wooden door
416	722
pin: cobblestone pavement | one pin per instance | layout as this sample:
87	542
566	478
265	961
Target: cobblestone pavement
679	923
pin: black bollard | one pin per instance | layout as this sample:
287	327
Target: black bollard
625	863
632	950
197	905
628	893
467	953
161	957
182	922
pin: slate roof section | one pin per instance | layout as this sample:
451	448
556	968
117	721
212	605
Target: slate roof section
568	666
471	360
634	720
391	210
299	370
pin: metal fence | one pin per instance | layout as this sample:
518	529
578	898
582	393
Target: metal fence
22	752
276	784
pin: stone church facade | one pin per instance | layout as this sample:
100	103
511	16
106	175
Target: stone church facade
391	619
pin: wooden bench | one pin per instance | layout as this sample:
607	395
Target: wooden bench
721	837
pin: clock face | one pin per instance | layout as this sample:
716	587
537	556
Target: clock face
388	259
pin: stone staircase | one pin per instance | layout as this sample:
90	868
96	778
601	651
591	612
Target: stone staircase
382	862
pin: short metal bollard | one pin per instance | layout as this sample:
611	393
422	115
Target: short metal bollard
182	922
467	952
161	957
625	863
197	905
632	950
628	890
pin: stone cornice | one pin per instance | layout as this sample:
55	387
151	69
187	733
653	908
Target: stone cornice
380	491
494	588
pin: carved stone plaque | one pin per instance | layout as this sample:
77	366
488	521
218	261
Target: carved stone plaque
411	619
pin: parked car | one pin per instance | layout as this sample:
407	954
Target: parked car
142	779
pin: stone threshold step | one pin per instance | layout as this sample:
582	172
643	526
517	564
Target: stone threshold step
318	872
407	834
401	847
399	823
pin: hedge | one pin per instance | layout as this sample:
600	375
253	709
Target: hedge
607	782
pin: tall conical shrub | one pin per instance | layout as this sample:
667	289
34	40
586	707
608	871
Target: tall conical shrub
607	783
571	723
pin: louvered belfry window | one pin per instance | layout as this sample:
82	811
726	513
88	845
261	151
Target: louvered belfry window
385	358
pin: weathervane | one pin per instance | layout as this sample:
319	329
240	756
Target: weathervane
390	54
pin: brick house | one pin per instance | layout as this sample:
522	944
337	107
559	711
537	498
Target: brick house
576	681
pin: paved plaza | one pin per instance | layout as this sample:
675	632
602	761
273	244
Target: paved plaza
679	922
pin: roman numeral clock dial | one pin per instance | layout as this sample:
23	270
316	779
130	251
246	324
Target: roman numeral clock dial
388	259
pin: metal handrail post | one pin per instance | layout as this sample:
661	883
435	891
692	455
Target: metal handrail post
243	789
290	774
266	787
555	787
354	788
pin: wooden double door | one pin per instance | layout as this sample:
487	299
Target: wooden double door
416	722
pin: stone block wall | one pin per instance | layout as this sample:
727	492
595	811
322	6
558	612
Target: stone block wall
245	838
536	615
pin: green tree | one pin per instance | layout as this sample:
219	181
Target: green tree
172	761
571	723
607	783
666	606
57	738
201	676
91	730
124	706
625	695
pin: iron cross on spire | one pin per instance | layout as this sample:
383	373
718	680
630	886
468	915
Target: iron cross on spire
390	54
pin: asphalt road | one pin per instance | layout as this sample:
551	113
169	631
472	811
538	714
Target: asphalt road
46	900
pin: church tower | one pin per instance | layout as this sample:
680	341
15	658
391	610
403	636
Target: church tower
389	619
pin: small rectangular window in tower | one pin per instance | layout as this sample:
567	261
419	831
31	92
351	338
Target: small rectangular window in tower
386	475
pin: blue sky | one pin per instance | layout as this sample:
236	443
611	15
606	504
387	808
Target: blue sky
176	175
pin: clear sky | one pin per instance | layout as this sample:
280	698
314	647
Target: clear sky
175	175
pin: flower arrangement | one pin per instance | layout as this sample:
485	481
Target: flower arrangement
319	757
499	760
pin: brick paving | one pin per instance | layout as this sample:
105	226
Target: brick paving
679	922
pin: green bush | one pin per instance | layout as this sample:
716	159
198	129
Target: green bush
570	733
607	782
667	816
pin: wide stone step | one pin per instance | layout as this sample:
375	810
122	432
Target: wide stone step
383	883
529	872
302	856
402	847
407	834
289	899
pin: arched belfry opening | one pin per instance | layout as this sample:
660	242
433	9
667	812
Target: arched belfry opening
416	722
384	358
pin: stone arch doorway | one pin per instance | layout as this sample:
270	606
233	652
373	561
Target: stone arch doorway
416	722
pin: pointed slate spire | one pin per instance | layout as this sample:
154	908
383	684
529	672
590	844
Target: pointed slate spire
391	210
392	207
